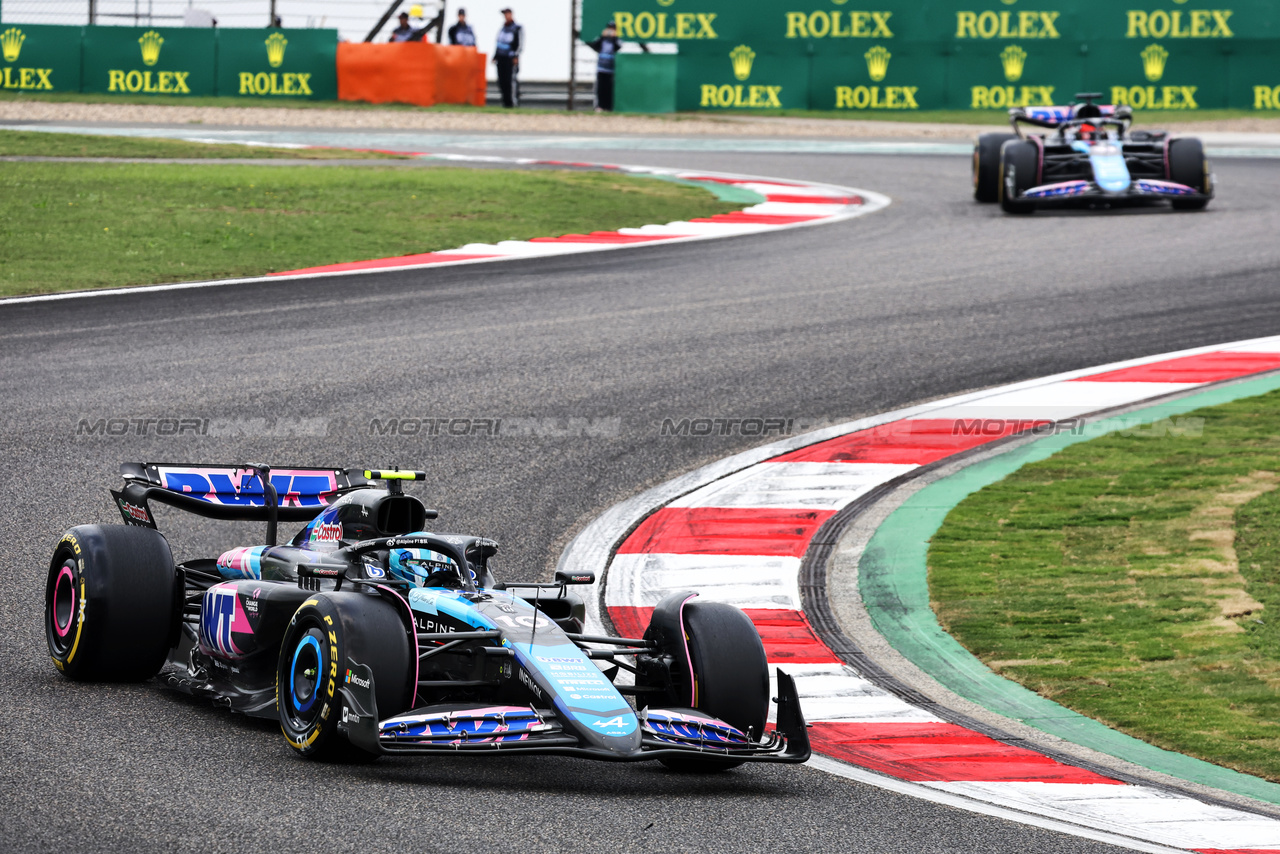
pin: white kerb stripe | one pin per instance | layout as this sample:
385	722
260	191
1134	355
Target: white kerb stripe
1162	817
836	693
1057	401
799	486
748	581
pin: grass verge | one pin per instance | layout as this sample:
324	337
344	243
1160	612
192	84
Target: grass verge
18	143
72	226
1135	578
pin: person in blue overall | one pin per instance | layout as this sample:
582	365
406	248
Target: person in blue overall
461	32
607	47
506	55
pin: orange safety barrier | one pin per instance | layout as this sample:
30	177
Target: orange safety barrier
418	73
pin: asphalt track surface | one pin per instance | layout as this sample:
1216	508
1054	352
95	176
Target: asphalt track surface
930	297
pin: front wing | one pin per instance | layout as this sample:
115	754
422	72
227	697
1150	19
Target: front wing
1068	192
523	729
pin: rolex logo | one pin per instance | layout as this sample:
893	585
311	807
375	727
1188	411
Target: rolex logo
877	62
1153	59
150	42
1013	58
742	57
12	41
275	49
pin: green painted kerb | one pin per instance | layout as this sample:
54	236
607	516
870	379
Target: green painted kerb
724	192
894	585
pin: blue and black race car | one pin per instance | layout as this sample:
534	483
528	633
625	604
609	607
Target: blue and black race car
1088	158
367	634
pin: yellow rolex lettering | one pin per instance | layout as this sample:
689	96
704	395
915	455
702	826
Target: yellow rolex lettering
844	97
166	81
755	97
1048	30
1263	98
1220	28
858	25
148	86
663	32
133	81
27	78
180	82
773	93
624	21
275	88
646	25
966	25
8	82
737	96
303	79
684	25
797	25
1119	96
724	96
1137	25
704	25
1189	97
1005	32
246	83
836	32
45	82
290	84
881	20
709	96
819	25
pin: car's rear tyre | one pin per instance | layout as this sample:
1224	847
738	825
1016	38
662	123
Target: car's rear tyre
1019	172
724	675
326	632
986	166
110	603
1189	166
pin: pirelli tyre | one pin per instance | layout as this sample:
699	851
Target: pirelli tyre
986	166
110	603
327	635
1188	165
723	674
1019	168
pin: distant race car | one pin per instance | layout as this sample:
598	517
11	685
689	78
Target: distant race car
368	635
1088	159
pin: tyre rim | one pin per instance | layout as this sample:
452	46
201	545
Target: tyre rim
304	676
62	612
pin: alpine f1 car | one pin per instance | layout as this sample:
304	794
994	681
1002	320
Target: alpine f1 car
367	634
1088	158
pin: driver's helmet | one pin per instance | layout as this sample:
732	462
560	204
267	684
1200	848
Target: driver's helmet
424	568
1088	132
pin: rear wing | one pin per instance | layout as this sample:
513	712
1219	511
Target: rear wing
232	492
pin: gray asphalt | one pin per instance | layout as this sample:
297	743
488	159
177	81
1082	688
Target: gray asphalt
932	296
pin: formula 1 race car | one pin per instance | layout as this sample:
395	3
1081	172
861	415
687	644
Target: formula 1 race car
1089	159
367	634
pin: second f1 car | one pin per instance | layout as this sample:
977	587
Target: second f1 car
1089	157
367	634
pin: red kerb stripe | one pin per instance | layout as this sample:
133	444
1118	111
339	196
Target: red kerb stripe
1204	368
941	752
918	442
725	531
605	237
813	200
757	219
402	261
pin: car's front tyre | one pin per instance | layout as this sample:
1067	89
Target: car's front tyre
1019	168
1189	166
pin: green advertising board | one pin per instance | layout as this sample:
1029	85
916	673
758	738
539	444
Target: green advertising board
40	58
895	55
149	60
276	63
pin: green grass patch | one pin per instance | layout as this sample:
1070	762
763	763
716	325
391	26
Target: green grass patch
71	226
19	143
1135	579
239	102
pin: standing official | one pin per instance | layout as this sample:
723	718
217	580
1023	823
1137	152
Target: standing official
607	47
461	32
404	32
506	55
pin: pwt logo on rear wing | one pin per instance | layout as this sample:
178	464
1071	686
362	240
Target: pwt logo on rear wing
240	487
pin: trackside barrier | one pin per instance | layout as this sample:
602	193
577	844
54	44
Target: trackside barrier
903	55
263	63
418	73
